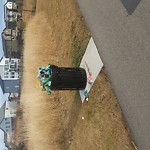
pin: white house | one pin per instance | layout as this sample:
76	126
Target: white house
9	75
9	68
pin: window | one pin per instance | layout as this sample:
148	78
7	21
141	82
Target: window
7	122
12	61
12	66
12	73
6	73
5	76
12	76
6	130
6	68
7	126
6	61
5	119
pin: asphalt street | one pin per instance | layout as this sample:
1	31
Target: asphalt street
121	31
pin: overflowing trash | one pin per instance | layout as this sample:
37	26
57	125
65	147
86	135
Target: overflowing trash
90	79
86	95
44	74
61	78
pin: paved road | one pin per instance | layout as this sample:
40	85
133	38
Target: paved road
122	36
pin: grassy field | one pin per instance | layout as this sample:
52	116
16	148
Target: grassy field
56	33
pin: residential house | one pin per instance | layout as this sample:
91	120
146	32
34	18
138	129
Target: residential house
9	75
7	120
10	41
11	14
5	123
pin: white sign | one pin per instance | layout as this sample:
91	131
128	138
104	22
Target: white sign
93	64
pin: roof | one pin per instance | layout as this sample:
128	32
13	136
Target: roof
4	45
2	112
1	84
1	58
5	139
11	0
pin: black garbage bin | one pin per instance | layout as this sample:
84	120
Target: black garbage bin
63	78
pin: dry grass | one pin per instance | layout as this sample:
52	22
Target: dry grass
28	10
41	112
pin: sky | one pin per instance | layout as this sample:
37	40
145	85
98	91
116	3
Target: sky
2	24
2	146
2	97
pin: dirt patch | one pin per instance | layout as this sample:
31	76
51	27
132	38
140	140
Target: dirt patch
57	34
